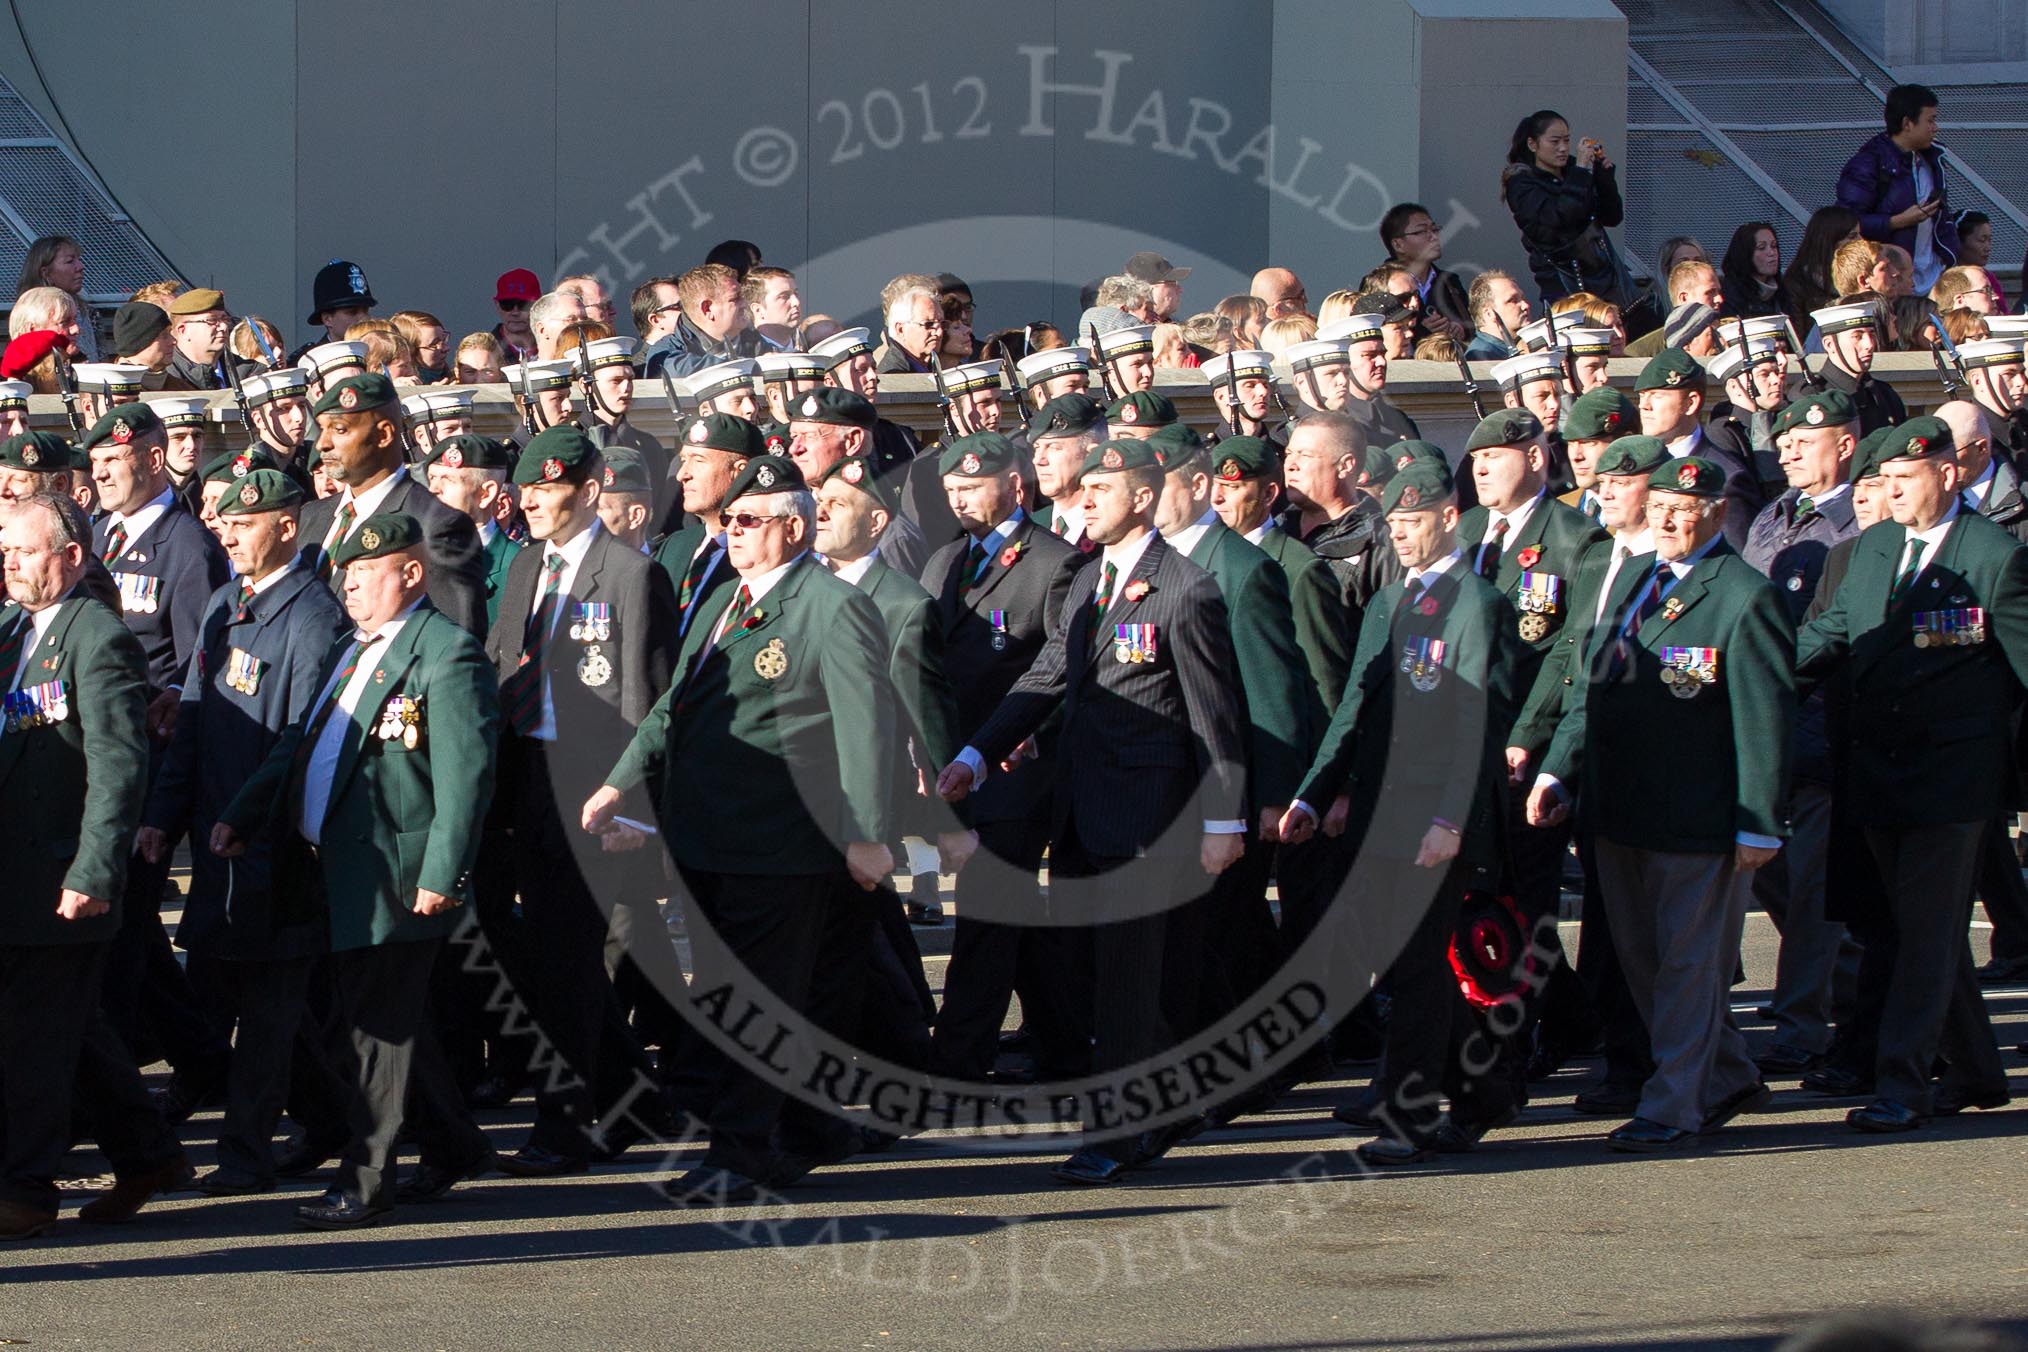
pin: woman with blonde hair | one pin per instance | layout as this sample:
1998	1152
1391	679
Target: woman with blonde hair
386	350
1281	334
1338	305
479	360
58	261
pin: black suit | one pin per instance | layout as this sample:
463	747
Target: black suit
992	955
1151	752
600	684
457	561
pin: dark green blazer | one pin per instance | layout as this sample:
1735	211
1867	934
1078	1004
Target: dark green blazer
926	712
1284	715
1324	629
772	749
500	551
398	818
1686	775
674	554
1560	536
1555	687
1411	756
71	791
1931	727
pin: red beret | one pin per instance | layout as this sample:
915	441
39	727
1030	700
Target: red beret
30	348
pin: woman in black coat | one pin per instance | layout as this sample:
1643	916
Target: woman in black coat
1751	273
1563	209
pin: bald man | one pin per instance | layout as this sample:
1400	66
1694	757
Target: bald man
1281	291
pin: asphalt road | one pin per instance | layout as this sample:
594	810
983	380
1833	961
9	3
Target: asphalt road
1265	1235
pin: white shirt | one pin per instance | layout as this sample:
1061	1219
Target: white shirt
1930	538
136	523
1259	533
1124	558
1635	543
858	568
323	766
1685	444
572	552
487	530
1517	521
364	504
272	578
39	623
1187	539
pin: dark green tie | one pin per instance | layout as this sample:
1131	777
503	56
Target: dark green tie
1910	568
1104	599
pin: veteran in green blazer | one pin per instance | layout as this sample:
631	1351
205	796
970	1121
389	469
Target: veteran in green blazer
469	474
774	750
1679	751
375	802
1930	626
73	771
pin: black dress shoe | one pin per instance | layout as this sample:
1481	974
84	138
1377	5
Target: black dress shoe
2000	971
495	1091
1090	1168
796	1165
18	1221
1836	1082
1883	1117
1607	1100
710	1186
340	1211
1785	1058
1453	1137
185	1094
1644	1137
1952	1099
134	1191
925	913
1150	1146
1392	1152
1752	1099
233	1183
534	1161
306	1157
1363	1112
428	1183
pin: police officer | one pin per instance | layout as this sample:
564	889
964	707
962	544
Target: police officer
254	672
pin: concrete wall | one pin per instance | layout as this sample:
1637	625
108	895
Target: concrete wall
1027	147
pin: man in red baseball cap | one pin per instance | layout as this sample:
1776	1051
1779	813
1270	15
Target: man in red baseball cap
512	295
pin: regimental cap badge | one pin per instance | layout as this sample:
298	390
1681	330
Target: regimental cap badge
1918	446
853	471
552	469
249	494
242	465
609	476
1130	414
1228	470
1815	415
30	456
765	476
1411	496
698	432
1611	421
1672	378
454	458
969	465
122	433
810	406
369	538
1111	459
348	398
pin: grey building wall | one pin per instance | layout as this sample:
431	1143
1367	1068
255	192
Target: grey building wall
1027	147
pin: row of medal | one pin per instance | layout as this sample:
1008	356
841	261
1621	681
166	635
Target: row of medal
140	594
1950	628
1687	670
1133	643
36	706
1422	661
1539	598
401	721
593	622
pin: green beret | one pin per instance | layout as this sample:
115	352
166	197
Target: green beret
1600	415
1671	369
127	422
1634	454
1693	476
1067	415
981	455
384	533
469	450
233	466
1872	450
1818	408
860	472
838	408
774	438
724	432
262	490
559	454
1407	452
368	389
1238	459
1110	456
1918	439
765	474
1177	445
1502	427
1378	466
1422	485
40	452
1142	408
625	472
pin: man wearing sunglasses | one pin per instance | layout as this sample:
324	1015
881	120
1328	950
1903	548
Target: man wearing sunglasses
785	694
512	295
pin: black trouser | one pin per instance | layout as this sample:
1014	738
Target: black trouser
58	1052
147	992
270	1050
991	959
1933	1001
474	1037
564	967
395	1068
1223	944
2004	893
772	925
894	1022
1560	1003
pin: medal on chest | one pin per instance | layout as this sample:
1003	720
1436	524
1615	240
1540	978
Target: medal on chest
1950	628
592	622
998	619
1133	643
594	668
37	706
1422	662
1686	671
400	721
140	594
243	672
1539	599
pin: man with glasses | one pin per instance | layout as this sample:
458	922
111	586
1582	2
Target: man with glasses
656	306
785	692
591	293
1412	238
915	330
199	322
1682	741
1282	292
512	295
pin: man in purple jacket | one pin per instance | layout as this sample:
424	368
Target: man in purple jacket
1895	182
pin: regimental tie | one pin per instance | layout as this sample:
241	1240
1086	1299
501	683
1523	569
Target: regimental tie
1104	599
246	594
1489	552
1911	568
314	729
1806	507
1646	602
116	543
693	576
341	526
11	644
521	692
975	567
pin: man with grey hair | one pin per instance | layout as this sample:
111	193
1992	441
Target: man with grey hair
788	692
1122	302
915	329
1327	510
1062	433
550	316
1989	482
